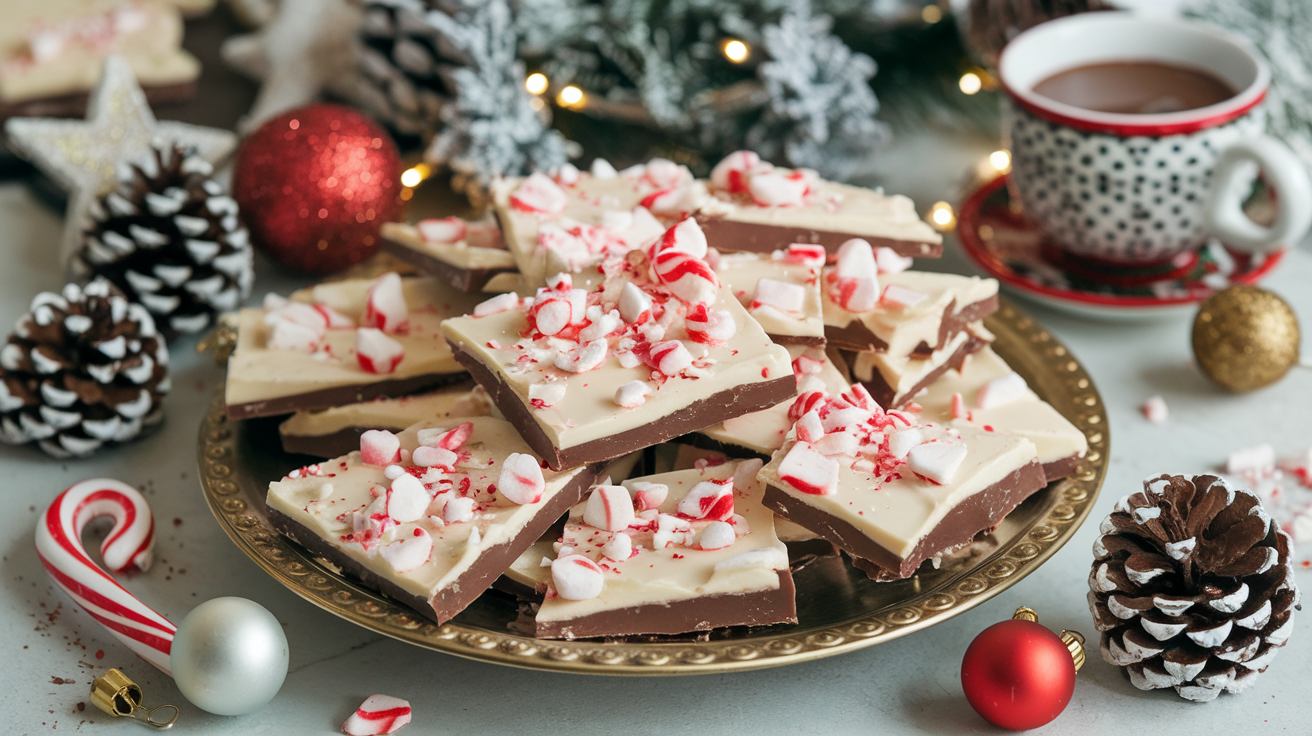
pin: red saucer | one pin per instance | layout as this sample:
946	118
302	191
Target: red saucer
997	236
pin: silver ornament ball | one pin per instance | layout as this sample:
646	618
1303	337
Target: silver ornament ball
229	656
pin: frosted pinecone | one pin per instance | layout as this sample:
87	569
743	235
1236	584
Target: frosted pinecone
1191	586
169	237
82	370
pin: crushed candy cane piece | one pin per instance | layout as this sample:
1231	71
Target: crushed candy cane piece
409	552
773	189
733	171
407	500
716	535
670	357
378	715
458	509
497	304
540	195
385	307
379	447
937	461
889	261
376	352
576	578
634	304
808	471
648	496
546	394
854	282
619	548
709	326
521	479
632	394
786	298
609	508
1154	409
900	297
444	230
708	500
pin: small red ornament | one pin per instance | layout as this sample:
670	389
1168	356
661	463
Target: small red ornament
1018	674
315	186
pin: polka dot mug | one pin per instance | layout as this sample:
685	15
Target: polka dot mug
1138	189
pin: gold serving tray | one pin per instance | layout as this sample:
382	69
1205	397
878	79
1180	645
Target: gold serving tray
839	608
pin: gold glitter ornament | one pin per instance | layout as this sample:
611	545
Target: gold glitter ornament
1245	337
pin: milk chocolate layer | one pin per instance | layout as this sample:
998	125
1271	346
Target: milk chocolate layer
716	408
983	510
856	336
328	398
760	608
455	597
333	444
464	279
730	235
807	340
74	105
1063	468
888	398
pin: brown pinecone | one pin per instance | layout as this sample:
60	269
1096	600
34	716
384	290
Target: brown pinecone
399	80
82	370
1192	586
169	237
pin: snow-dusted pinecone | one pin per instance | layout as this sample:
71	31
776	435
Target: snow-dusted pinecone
1192	586
82	370
399	82
169	237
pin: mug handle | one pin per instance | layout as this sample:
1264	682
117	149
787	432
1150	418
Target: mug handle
1225	217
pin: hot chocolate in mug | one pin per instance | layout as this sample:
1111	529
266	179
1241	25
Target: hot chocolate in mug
1138	188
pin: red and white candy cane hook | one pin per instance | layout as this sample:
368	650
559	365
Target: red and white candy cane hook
129	544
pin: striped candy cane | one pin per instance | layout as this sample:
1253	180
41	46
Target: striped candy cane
129	544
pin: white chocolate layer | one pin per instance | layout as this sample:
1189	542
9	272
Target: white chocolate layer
903	372
257	372
1028	416
391	414
148	35
356	485
588	411
482	248
830	207
676	573
763	431
588	202
897	510
904	329
742	271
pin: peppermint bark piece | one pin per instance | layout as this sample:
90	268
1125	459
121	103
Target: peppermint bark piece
464	254
986	393
691	550
917	314
760	433
761	208
332	432
890	490
343	342
781	291
894	380
657	350
431	516
569	223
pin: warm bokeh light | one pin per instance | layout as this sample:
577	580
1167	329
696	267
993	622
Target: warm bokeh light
1000	160
536	83
931	14
571	96
970	83
942	217
411	177
736	51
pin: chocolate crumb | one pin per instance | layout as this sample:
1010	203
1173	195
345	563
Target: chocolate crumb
61	681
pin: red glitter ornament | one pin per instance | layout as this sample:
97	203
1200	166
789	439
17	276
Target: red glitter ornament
315	186
1018	674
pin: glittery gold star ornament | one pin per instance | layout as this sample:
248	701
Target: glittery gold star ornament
82	155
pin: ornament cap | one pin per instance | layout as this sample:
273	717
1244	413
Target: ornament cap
116	694
1074	640
1075	643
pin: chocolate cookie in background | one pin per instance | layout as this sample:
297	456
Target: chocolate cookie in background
216	96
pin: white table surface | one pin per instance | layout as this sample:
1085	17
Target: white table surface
910	685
